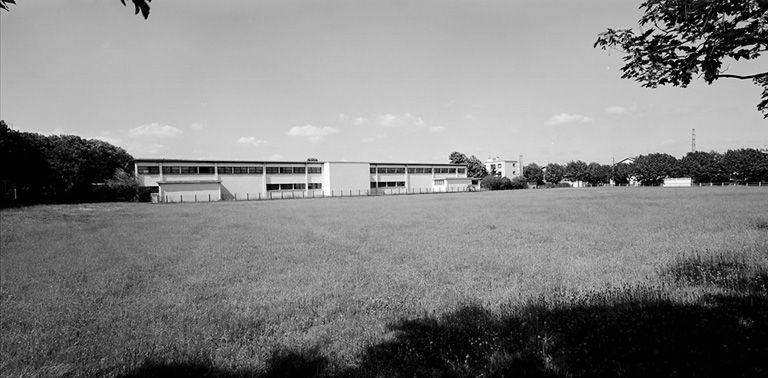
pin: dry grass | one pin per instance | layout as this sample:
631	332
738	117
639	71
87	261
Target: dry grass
365	286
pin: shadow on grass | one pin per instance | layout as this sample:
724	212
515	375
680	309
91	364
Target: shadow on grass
634	333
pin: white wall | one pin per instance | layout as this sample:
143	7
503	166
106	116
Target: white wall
188	191
338	176
244	186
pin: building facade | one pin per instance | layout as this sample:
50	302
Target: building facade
204	180
503	168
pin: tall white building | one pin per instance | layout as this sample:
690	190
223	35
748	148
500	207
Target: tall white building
503	168
205	180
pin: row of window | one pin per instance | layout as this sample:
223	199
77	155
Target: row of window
416	170
294	186
384	184
226	170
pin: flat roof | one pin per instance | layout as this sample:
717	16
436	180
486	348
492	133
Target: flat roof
164	160
190	182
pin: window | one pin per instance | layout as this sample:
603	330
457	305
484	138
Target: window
373	170
255	170
399	170
373	184
205	170
462	170
239	170
299	170
286	170
315	186
149	170
171	170
315	169
427	170
400	183
451	170
225	170
188	170
273	170
439	182
273	186
411	170
498	165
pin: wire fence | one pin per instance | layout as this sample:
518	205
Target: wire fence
308	194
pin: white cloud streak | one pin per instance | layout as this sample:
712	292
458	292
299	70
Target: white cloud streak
313	134
253	141
565	118
154	130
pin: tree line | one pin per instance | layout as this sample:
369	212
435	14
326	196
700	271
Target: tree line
35	168
740	165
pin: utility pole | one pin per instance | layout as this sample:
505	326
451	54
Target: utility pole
693	140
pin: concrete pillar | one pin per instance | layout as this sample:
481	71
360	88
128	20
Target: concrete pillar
264	179
306	179
407	179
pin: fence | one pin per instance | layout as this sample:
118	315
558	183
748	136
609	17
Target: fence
301	194
699	184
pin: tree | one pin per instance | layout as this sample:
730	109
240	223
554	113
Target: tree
475	168
533	173
746	164
61	168
680	39
703	166
654	168
139	5
576	171
492	183
622	172
598	174
554	173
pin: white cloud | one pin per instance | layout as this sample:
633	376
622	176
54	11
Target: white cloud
374	138
436	129
154	130
196	126
469	117
276	157
251	141
343	117
313	134
615	110
563	118
396	120
359	121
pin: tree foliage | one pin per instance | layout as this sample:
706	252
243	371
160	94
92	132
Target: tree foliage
703	166
61	168
141	6
654	168
576	171
554	173
680	40
622	172
475	168
598	174
533	173
746	164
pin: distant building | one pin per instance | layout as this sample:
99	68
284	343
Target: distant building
207	180
503	168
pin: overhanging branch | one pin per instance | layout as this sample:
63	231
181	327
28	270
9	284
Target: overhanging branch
742	77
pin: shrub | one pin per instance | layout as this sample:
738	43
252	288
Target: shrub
518	183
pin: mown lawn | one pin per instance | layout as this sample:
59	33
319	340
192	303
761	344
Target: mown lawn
560	282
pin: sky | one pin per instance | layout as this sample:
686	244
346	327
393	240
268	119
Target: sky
357	80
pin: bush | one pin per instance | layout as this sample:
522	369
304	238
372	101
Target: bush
518	183
502	183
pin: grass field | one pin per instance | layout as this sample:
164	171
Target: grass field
561	282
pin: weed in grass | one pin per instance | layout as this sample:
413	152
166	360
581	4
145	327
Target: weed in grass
722	270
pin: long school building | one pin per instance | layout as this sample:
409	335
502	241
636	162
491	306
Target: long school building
201	181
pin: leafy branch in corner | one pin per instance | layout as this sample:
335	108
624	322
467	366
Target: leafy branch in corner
679	40
140	6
